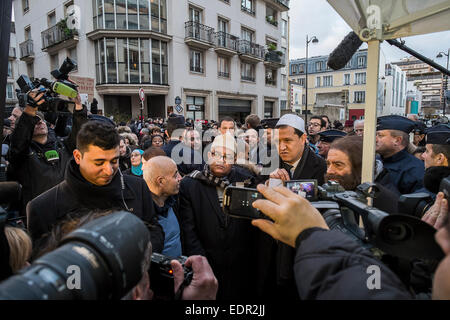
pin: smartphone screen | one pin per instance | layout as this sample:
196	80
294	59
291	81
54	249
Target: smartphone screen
238	202
304	188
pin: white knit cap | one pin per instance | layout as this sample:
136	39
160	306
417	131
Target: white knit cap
293	121
224	141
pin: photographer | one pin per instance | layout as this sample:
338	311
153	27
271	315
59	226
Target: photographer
37	159
328	264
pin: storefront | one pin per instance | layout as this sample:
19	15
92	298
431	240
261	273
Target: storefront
234	108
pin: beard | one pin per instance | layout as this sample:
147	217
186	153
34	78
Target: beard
349	181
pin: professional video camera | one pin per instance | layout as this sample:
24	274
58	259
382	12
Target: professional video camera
51	89
417	204
399	235
162	279
108	253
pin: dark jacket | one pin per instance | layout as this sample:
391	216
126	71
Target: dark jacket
75	193
125	161
187	157
406	172
228	243
28	164
330	265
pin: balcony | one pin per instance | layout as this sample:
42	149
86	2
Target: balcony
56	38
197	69
198	35
274	59
226	44
272	21
250	11
26	51
223	74
248	78
12	53
280	5
250	52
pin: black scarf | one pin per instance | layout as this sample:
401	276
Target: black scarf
163	211
207	176
433	177
92	196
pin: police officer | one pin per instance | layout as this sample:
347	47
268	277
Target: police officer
392	139
326	138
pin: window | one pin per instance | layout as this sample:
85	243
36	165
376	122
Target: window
319	65
302	68
360	97
328	81
222	25
362	62
54	62
247	34
304	99
248	6
283	104
25	6
360	78
346	79
248	72
51	19
284	26
294	69
318	82
10	91
272	16
271	77
195	14
27	32
195	107
296	98
283	82
223	67
301	82
10	70
196	61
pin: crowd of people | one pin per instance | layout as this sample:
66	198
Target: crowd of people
172	174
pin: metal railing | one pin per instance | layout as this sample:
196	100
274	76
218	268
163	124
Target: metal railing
248	10
196	69
199	31
26	48
224	74
226	40
275	56
250	48
248	78
283	2
271	82
55	35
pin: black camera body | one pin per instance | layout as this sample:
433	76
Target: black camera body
161	275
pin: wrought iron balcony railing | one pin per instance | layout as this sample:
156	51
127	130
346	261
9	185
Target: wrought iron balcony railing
250	48
275	57
199	31
226	40
55	35
248	78
26	48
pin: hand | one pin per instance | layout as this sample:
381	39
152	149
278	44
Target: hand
77	100
436	215
37	97
281	174
204	284
290	212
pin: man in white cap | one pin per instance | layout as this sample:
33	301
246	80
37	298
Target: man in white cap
227	243
297	159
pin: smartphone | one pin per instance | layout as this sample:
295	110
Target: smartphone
304	188
237	202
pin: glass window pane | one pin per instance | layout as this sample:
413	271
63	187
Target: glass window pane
121	14
132	14
111	60
145	60
154	14
97	66
134	60
122	60
165	67
109	6
102	61
143	15
156	68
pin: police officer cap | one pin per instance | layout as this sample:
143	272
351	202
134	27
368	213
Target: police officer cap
395	122
96	117
331	135
420	128
177	120
439	134
269	123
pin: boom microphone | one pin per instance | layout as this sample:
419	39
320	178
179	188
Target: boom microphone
344	51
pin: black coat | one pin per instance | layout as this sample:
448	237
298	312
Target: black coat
330	265
28	164
228	243
186	157
75	193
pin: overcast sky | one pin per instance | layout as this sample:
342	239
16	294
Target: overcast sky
318	18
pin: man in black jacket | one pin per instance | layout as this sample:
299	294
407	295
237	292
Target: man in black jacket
38	159
93	181
328	264
229	244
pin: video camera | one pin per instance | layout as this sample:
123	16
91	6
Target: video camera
108	253
52	90
399	235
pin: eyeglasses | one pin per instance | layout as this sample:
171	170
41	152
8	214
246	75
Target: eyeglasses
313	124
226	157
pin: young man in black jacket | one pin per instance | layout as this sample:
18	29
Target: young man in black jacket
93	181
37	159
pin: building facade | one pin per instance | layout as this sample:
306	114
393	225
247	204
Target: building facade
221	58
339	94
13	73
427	80
395	87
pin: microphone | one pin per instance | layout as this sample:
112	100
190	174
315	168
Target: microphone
344	51
10	192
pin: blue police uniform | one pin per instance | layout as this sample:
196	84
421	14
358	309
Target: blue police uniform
405	170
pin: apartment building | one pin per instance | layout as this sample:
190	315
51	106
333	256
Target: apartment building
339	94
11	97
427	80
395	88
220	58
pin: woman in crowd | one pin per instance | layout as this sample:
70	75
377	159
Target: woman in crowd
136	163
157	141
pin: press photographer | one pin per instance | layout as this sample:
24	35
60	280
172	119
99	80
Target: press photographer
328	264
37	159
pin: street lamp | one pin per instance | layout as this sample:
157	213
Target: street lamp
313	40
445	78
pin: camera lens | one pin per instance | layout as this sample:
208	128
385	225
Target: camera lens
397	232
